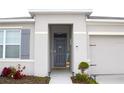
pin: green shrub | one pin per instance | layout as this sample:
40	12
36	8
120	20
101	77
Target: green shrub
79	77
83	66
92	81
84	78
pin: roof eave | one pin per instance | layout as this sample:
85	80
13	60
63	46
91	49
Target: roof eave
106	20
86	12
17	20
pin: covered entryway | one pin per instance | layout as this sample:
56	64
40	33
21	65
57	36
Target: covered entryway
57	45
60	46
60	49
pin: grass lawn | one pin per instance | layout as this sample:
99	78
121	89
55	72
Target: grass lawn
25	80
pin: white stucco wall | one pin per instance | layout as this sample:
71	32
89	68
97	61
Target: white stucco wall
39	61
42	40
29	64
107	47
105	26
14	62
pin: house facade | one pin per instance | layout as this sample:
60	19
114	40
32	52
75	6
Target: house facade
61	39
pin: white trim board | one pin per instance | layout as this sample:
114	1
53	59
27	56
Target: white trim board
105	20
16	60
86	12
80	32
105	33
10	27
17	20
41	32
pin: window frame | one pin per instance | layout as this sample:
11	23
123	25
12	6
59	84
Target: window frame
1	44
4	44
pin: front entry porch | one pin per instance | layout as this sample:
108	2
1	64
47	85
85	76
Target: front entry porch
61	41
60	46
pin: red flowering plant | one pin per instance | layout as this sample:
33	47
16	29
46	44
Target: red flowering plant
6	71
18	74
11	72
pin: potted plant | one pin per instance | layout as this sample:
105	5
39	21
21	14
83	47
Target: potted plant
68	60
83	66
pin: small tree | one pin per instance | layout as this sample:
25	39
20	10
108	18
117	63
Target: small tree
83	66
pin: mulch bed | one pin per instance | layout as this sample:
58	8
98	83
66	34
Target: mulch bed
25	80
75	81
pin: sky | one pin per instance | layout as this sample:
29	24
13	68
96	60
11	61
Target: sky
20	8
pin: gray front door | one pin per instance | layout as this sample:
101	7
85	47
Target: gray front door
60	49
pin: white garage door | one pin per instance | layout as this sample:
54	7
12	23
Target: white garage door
107	52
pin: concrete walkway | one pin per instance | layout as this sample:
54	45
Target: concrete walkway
60	77
112	79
